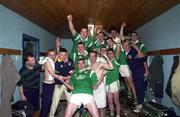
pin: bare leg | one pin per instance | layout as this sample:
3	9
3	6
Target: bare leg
110	101
102	112
92	109
129	90
130	83
88	113
116	101
70	110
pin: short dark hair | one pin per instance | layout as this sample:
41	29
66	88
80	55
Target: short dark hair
81	60
134	32
84	28
93	51
112	28
102	33
51	50
81	43
63	50
110	49
27	55
109	38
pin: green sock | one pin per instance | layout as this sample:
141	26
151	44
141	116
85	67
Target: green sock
112	114
135	101
84	114
129	94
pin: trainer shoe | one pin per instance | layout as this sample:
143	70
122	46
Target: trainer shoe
138	108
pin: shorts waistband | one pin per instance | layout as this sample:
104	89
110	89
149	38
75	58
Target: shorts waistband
49	81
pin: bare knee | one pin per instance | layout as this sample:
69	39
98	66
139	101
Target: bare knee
93	109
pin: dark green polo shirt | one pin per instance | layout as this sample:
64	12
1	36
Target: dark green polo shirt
30	78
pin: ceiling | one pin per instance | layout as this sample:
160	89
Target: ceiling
51	14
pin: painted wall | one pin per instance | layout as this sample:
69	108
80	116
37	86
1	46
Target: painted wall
12	26
67	43
163	32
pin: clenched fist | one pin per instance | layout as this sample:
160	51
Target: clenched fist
69	17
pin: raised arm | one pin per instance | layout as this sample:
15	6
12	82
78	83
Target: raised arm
140	54
118	51
58	44
71	26
122	31
122	36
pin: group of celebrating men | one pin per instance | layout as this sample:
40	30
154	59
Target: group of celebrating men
89	74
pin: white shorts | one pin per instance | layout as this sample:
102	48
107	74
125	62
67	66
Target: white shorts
100	96
81	98
113	87
125	71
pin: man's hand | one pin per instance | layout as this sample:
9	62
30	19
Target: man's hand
123	24
61	78
146	73
66	78
69	17
23	98
140	55
95	87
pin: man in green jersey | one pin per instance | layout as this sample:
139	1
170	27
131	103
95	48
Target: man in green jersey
81	54
79	37
81	84
112	85
99	42
140	45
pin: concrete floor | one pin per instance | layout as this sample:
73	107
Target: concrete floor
125	112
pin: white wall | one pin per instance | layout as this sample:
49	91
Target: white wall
163	32
12	26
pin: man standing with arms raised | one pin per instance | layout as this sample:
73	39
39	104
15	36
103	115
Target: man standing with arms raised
79	37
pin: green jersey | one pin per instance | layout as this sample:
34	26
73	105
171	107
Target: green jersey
97	45
77	38
75	56
114	48
141	46
113	75
30	78
122	56
83	81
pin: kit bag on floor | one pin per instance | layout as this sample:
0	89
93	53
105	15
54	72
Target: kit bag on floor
151	109
21	108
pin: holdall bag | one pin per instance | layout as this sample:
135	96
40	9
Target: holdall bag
22	107
151	109
18	113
